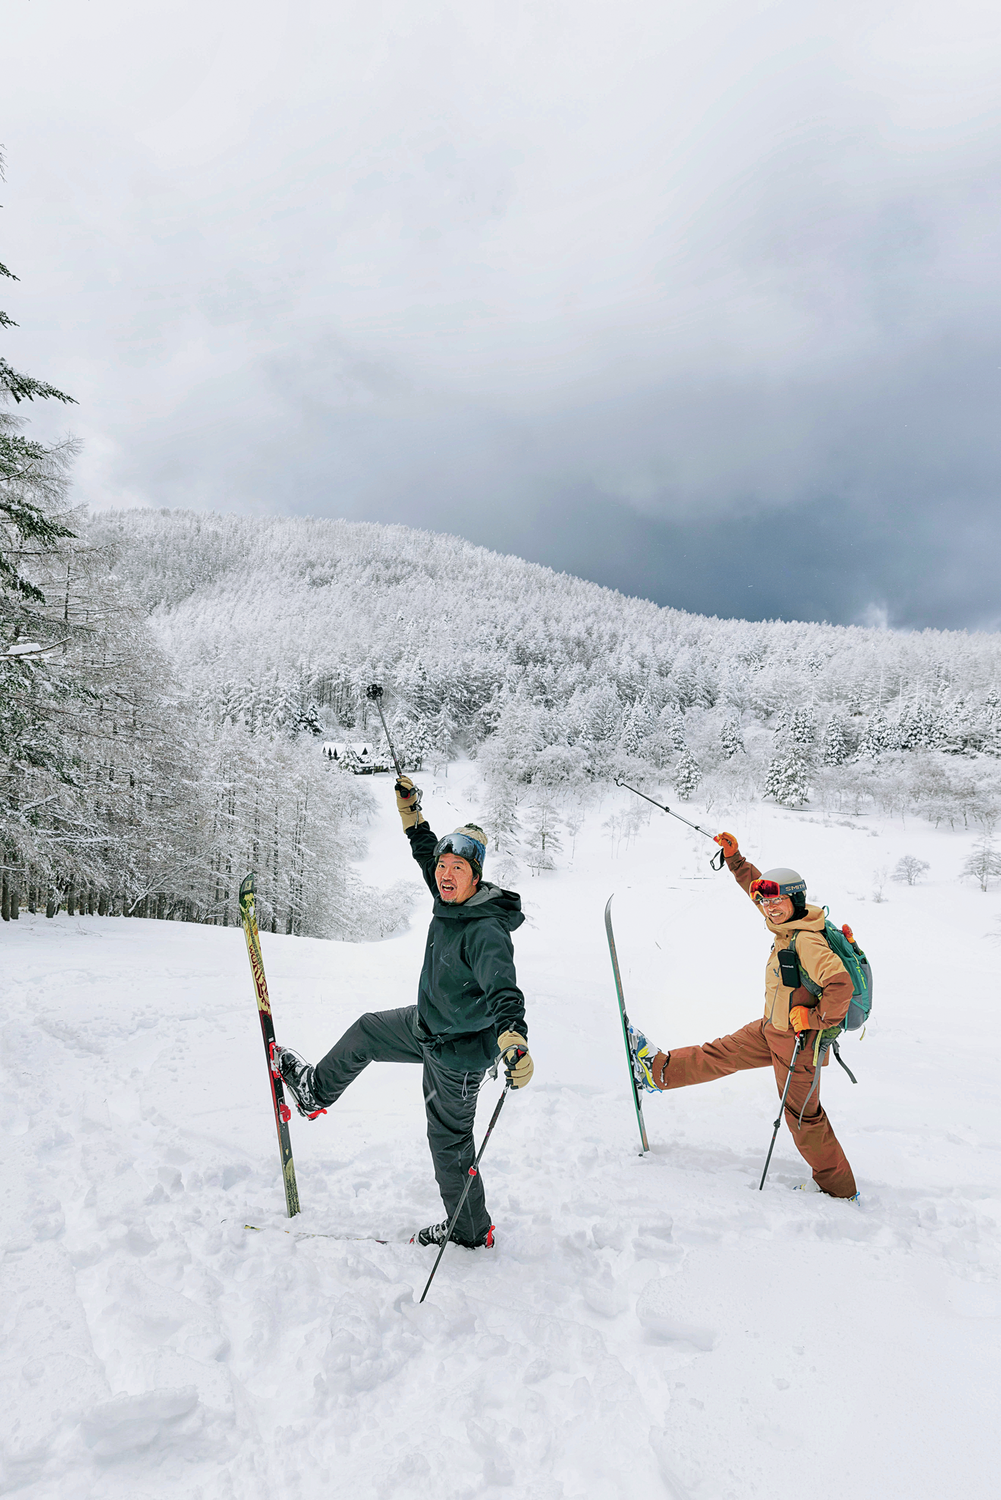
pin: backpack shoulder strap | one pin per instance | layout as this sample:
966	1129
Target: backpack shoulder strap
804	978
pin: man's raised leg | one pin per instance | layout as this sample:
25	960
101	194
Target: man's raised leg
378	1036
746	1048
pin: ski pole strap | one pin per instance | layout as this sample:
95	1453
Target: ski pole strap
817	1059
840	1059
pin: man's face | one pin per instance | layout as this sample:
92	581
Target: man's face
454	878
777	909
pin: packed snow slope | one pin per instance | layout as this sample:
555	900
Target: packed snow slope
645	1326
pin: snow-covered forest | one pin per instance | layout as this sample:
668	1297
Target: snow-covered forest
174	739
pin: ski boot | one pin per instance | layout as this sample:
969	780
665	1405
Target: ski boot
298	1078
435	1234
811	1187
643	1053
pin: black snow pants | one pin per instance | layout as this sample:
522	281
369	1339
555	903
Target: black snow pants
449	1101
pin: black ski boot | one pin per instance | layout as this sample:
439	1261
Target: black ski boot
298	1078
435	1234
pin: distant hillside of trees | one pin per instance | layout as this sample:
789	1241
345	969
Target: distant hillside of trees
276	626
176	739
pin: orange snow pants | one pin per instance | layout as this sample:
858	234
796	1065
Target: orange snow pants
756	1046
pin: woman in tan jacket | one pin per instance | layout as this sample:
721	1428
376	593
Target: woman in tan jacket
788	1011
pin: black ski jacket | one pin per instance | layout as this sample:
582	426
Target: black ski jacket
468	993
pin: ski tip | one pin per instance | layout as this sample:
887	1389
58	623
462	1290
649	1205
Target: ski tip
608	903
247	885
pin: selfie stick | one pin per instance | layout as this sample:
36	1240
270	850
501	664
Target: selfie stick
374	694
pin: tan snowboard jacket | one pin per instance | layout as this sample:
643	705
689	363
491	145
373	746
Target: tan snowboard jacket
815	956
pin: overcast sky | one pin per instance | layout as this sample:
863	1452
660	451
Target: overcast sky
700	300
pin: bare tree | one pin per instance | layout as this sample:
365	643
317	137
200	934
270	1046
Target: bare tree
984	863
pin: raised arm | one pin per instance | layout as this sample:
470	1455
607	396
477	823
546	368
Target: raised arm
422	840
743	872
422	847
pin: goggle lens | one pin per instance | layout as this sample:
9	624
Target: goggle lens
462	846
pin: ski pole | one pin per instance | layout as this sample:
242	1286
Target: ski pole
671	813
800	1039
374	695
469	1182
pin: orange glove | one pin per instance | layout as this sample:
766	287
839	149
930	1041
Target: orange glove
799	1018
727	843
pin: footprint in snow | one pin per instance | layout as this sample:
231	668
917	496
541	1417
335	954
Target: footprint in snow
655	1312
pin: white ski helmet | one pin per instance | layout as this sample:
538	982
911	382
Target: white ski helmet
789	882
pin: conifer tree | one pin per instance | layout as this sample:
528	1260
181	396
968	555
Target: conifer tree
836	745
788	778
984	861
687	775
33	483
542	838
730	739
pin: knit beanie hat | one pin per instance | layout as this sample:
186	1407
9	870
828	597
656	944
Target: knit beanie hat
469	843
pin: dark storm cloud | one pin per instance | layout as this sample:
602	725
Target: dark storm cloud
700	301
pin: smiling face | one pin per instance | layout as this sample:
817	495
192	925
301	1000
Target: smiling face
777	909
454	878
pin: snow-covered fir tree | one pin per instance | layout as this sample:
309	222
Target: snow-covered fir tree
836	748
788	777
730	739
984	861
687	775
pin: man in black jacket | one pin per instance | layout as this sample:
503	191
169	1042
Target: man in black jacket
469	1012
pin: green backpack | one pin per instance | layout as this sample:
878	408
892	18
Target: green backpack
841	940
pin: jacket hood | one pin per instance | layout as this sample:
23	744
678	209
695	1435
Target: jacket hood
812	922
489	901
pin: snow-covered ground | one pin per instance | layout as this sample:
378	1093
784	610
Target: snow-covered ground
645	1325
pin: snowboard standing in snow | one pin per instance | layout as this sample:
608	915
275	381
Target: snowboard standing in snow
626	1028
248	917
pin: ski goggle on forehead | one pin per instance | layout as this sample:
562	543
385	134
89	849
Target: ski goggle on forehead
463	847
765	890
